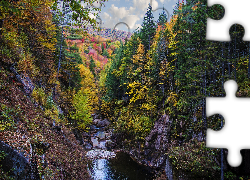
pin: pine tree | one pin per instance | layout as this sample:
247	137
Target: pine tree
92	66
148	29
163	18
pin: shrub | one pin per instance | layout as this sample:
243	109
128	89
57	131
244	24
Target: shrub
39	95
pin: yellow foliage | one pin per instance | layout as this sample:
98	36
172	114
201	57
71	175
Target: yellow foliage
39	95
89	87
53	113
172	99
133	122
82	110
26	64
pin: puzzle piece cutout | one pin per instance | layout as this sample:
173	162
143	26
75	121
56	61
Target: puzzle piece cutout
235	134
235	11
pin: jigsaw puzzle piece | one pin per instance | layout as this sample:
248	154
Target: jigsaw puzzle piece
235	11
235	134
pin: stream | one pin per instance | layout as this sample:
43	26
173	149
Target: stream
106	164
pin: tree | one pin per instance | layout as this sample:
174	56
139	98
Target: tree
81	114
162	18
81	14
92	66
147	31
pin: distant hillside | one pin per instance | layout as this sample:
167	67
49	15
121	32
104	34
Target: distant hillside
109	33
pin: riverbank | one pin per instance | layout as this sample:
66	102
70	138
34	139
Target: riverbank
161	156
100	142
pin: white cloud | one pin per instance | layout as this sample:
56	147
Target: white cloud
143	4
130	20
130	15
106	16
154	4
137	26
118	12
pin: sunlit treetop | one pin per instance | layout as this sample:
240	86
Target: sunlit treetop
82	12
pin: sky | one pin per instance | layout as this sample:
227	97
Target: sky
131	12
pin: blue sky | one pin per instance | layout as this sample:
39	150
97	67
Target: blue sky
131	12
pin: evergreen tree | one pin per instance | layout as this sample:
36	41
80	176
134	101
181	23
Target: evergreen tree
92	66
163	18
148	29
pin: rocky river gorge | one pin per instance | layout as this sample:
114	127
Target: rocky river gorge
106	161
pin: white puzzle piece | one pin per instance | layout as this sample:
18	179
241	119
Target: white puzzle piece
236	133
235	13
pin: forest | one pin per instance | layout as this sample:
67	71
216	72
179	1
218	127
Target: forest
55	76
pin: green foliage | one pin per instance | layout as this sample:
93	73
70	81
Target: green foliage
75	37
195	158
69	75
146	33
73	57
105	53
92	66
81	114
80	15
7	117
162	18
74	48
39	95
229	175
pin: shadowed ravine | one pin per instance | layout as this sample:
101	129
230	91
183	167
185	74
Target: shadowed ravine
108	164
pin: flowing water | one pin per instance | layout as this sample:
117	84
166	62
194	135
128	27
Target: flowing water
119	168
107	165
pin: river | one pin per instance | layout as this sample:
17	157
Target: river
121	167
109	165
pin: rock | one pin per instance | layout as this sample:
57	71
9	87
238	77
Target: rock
100	154
108	135
95	142
169	169
88	146
156	143
96	121
92	128
97	116
109	144
85	134
102	144
100	135
60	110
103	123
17	164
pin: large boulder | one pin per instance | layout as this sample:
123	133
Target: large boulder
96	121
101	135
95	142
28	85
103	123
15	163
156	144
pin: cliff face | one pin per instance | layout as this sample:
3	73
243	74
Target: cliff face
30	141
156	144
153	153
